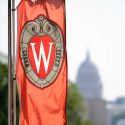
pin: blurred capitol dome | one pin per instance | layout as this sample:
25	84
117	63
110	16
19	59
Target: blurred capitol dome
88	80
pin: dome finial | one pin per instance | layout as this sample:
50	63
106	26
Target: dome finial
88	55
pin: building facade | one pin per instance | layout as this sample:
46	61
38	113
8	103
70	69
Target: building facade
90	87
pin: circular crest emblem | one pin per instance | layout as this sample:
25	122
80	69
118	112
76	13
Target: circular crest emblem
41	51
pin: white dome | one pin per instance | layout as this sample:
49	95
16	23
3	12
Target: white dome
88	79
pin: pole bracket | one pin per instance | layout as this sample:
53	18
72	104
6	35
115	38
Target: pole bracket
13	9
14	77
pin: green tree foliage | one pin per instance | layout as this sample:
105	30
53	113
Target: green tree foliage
3	94
75	107
87	123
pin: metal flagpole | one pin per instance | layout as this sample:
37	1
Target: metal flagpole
9	66
14	78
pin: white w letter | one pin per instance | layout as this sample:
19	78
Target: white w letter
41	54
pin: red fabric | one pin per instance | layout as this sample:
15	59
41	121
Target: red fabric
42	106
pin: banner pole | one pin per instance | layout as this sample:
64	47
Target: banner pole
9	66
14	78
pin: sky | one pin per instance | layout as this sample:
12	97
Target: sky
97	26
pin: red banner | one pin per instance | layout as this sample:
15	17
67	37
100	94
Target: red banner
41	62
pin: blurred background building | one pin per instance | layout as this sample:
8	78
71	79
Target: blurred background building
88	79
116	111
98	110
90	87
